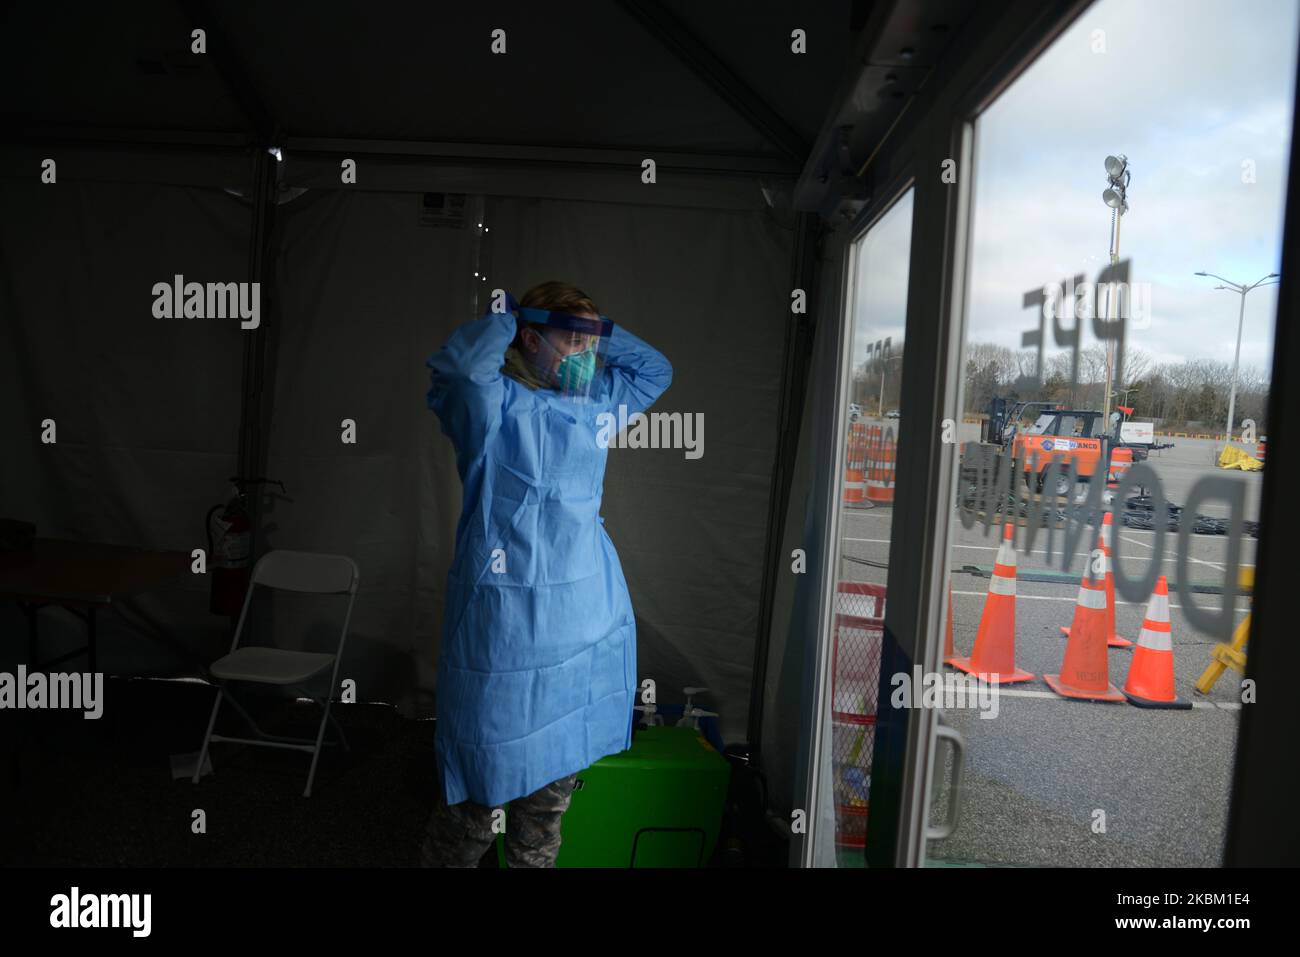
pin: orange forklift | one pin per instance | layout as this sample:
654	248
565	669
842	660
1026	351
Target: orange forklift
1054	434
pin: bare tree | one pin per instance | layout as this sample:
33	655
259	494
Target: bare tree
1137	366
1175	393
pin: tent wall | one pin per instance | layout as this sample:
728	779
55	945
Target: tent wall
362	295
791	722
367	294
146	409
708	288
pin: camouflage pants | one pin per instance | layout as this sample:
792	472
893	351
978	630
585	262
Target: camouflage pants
458	835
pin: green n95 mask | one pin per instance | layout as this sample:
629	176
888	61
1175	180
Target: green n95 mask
568	351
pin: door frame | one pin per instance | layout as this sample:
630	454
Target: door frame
991	54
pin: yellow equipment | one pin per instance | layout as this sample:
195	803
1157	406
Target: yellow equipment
1234	458
1231	654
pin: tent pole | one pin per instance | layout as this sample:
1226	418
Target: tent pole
260	343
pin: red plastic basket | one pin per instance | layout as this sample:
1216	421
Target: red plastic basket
855	682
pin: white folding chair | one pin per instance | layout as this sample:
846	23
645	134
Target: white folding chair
290	571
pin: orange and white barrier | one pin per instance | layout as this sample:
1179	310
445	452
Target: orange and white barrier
993	658
855	465
1121	460
881	450
1150	682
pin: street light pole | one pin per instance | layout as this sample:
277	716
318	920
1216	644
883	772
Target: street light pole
1236	361
1116	197
1111	296
1126	392
884	368
1241	319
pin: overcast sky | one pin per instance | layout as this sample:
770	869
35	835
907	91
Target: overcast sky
1188	90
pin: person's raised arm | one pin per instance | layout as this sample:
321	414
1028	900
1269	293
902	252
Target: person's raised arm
639	372
466	387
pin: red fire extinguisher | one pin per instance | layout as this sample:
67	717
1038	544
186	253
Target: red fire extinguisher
230	553
230	547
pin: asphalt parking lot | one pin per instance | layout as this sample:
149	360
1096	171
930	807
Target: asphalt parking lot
1055	781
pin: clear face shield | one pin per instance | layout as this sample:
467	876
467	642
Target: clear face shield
566	352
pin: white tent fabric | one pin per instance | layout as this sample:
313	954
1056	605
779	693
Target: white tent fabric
367	294
690	532
148	415
788	728
363	294
146	409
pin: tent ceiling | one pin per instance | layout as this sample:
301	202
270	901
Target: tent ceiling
641	74
92	67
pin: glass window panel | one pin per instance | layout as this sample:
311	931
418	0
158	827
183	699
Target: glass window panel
1168	378
877	302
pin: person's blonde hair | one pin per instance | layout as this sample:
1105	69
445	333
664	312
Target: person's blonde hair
556	296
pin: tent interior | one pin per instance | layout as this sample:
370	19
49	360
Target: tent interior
472	170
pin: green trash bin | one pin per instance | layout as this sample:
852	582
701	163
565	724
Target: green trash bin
657	804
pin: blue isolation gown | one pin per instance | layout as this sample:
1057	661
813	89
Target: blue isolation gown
537	673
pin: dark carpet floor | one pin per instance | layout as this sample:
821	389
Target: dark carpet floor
101	794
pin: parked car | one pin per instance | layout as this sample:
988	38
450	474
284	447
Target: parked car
891	414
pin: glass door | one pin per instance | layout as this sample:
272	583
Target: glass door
876	300
1112	431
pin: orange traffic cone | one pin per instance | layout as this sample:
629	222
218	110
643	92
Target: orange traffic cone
1084	671
1150	682
1113	640
993	659
949	653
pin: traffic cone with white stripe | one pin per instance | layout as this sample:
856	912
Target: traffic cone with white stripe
1150	682
1113	640
1084	670
993	659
